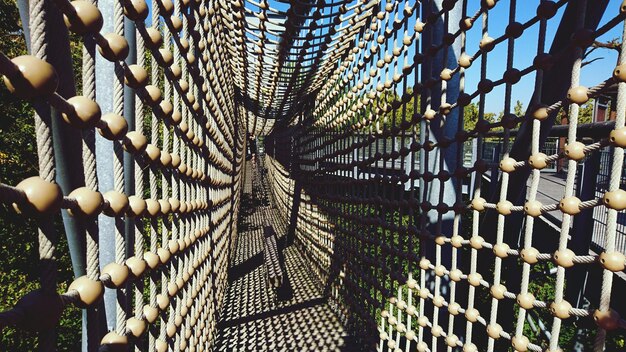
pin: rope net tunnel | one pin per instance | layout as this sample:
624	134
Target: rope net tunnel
436	175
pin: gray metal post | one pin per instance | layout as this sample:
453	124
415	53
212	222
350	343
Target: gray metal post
129	114
435	130
67	155
105	76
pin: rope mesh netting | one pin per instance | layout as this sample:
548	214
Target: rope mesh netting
435	211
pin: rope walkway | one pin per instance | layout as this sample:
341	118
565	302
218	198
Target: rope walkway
394	206
258	317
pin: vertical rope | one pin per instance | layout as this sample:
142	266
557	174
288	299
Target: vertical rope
47	237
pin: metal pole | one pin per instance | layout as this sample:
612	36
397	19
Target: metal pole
105	76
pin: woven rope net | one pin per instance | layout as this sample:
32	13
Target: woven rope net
433	161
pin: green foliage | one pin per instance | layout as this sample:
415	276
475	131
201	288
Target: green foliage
585	114
471	114
403	113
19	259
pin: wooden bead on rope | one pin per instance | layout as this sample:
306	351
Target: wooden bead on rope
446	74
114	342
155	39
456	241
561	310
40	196
135	76
153	152
84	19
474	279
117	203
134	142
112	127
617	137
564	258
135	10
113	47
529	255
615	199
31	78
540	112
89	291
178	320
152	260
507	164
538	161
520	343
436	330
472	315
578	95
478	204
501	250
165	158
150	313
89	203
452	340
175	203
476	242
575	151
165	205
165	57
136	326
172	289
152	95
176	73
547	9
162	301
118	274
570	205
455	275
136	206
454	308
533	208
613	261
83	112
486	44
176	24
498	291
422	346
164	255
494	331
465	61
470	347
619	74
177	117
136	265
166	7
170	330
504	207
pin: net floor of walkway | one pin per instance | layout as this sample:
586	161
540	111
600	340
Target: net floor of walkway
258	317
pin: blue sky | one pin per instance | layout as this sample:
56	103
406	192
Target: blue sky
525	49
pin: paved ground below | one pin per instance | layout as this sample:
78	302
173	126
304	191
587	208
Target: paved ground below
258	317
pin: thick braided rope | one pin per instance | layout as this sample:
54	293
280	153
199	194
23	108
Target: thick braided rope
46	233
118	171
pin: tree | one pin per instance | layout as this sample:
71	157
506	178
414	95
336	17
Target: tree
518	109
471	115
19	260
